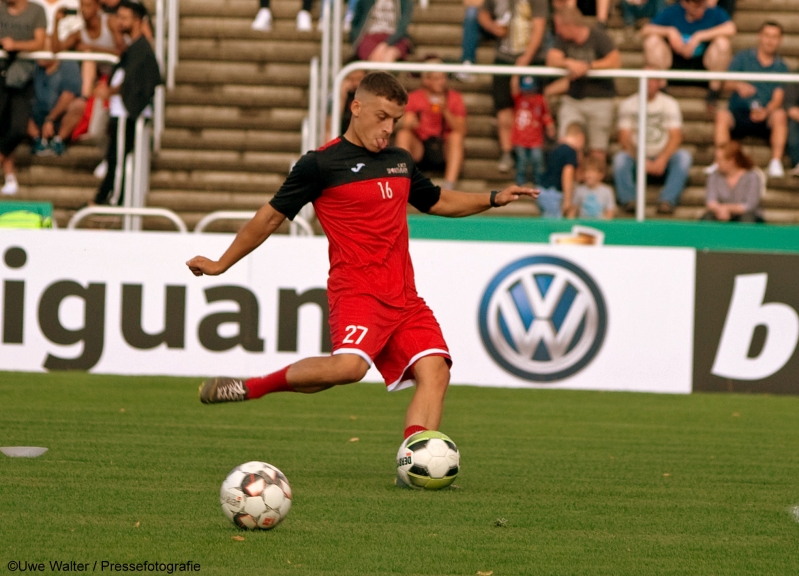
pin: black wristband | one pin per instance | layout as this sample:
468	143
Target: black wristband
493	199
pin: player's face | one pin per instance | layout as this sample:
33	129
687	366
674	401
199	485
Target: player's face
373	120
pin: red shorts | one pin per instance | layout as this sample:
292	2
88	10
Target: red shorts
393	338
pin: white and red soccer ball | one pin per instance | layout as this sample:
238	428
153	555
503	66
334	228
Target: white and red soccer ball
255	496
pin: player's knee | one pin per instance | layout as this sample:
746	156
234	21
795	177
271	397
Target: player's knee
348	368
432	374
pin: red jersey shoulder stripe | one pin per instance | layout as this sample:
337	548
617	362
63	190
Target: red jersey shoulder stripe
335	140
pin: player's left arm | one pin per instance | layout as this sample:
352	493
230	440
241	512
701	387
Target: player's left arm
455	204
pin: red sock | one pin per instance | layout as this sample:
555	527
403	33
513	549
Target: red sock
413	429
274	382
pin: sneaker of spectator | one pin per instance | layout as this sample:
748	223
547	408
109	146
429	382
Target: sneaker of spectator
304	22
263	20
57	146
690	35
11	186
40	147
756	108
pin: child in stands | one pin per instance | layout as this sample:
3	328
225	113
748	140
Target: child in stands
530	118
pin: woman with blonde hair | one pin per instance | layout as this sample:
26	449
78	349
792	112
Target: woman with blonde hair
734	190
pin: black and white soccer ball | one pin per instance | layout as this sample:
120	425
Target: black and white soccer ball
429	460
255	496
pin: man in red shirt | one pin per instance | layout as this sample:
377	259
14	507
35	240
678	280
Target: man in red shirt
360	187
434	127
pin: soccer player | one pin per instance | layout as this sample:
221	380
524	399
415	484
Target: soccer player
359	187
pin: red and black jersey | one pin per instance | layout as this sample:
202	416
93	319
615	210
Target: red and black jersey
360	199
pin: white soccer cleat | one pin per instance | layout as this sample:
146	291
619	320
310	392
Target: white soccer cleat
263	20
775	169
304	23
11	186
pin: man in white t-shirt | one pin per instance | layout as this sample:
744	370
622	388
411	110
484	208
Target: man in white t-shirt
665	160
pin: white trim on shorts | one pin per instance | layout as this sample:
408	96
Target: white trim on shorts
401	384
355	351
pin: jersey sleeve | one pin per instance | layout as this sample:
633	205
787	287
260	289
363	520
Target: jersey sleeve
424	194
302	186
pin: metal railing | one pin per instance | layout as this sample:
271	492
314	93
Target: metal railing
300	222
126	212
641	75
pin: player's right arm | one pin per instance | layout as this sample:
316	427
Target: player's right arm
252	235
302	186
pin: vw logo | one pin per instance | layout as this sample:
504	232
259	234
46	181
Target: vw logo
542	318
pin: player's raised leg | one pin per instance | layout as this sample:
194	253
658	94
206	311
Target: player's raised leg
427	405
307	376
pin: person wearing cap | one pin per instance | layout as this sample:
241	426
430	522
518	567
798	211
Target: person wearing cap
130	91
531	118
434	126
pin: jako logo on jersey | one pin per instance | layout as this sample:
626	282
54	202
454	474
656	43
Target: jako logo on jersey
358	167
542	318
401	168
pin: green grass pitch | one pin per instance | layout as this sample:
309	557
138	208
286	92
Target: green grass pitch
552	482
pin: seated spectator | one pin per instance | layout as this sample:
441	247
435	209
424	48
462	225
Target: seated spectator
110	7
520	28
589	101
380	30
531	119
634	10
690	35
733	191
434	127
263	19
22	29
592	198
99	33
557	184
755	108
665	160
57	106
792	107
130	91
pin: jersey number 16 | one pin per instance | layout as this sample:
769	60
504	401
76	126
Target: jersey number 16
385	190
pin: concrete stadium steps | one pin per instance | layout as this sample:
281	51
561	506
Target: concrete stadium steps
233	121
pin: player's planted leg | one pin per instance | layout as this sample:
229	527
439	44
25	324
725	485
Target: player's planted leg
307	376
427	405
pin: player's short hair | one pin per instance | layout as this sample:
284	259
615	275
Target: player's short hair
574	129
770	23
592	163
383	85
570	15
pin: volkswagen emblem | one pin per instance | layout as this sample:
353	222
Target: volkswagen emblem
542	318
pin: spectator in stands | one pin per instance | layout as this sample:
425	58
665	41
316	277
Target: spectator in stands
531	119
756	108
592	198
434	127
733	191
57	106
665	160
68	24
792	107
110	7
634	10
99	33
263	19
520	28
380	30
690	35
598	8
471	34
23	28
130	91
589	101
557	185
